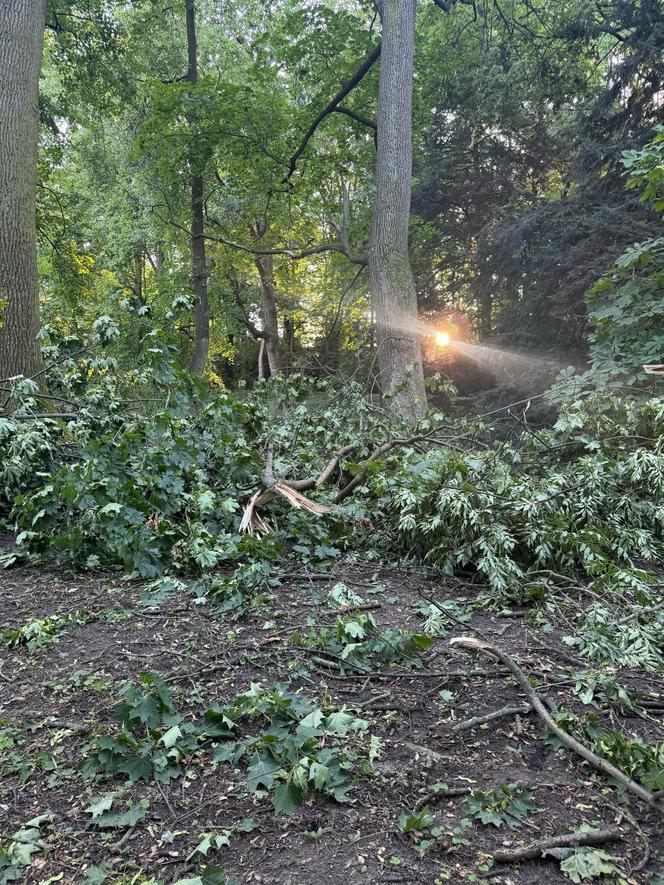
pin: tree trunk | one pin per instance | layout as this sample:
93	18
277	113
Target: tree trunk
139	272
261	360
485	312
265	267
21	43
264	264
198	265
392	284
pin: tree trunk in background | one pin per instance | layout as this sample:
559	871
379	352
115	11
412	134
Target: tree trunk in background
485	324
264	264
289	336
392	283
21	43
198	265
269	313
261	360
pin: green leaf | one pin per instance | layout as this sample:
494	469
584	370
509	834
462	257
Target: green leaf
128	818
98	805
588	863
286	799
170	738
137	768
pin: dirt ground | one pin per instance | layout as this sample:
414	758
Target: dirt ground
52	699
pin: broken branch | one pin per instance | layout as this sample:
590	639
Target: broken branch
467	724
538	706
564	840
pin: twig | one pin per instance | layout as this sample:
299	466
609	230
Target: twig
489	717
537	849
645	857
565	738
447	793
434	755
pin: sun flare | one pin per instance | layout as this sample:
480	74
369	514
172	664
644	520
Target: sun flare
442	339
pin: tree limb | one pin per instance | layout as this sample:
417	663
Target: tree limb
332	106
467	724
446	5
336	245
355	115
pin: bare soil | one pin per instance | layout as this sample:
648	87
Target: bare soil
52	698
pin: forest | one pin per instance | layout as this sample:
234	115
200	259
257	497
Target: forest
331	442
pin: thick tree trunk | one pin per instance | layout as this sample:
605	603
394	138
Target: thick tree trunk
392	284
21	42
198	264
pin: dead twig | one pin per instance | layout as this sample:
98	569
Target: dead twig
467	724
447	793
564	840
536	703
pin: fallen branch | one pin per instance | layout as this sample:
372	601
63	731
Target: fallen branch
489	717
653	799
273	487
426	752
565	840
253	523
439	795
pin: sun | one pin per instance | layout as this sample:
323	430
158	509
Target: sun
442	339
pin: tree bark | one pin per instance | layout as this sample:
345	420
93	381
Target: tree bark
392	285
485	312
198	263
269	312
21	43
264	265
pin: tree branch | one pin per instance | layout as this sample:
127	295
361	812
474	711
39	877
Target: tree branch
354	115
564	840
339	244
653	799
446	5
332	105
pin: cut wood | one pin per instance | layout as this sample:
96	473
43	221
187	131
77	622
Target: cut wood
564	840
654	799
